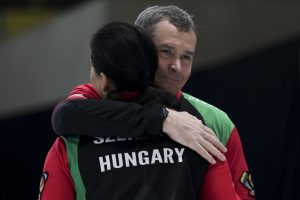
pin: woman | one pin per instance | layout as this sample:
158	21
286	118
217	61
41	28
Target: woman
124	61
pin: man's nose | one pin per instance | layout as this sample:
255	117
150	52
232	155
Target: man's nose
176	65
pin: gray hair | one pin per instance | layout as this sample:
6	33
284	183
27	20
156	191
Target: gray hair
149	17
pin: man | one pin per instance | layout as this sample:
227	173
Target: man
173	32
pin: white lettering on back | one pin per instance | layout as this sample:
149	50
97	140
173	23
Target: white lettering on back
104	163
130	159
98	140
168	155
156	156
143	160
179	154
114	160
119	160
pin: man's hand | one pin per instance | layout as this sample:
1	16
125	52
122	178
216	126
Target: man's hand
192	133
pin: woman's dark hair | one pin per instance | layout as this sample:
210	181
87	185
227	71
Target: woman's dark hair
128	56
125	54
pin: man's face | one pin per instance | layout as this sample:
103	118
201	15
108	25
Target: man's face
175	53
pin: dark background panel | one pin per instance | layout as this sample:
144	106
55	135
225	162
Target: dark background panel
24	144
261	95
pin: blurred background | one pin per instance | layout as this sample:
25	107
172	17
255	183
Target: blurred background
247	63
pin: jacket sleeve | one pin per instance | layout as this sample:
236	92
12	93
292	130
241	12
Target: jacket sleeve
85	114
218	184
238	167
56	181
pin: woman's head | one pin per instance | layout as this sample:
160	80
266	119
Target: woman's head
126	55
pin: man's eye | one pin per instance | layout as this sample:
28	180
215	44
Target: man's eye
166	51
187	57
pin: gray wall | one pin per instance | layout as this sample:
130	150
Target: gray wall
227	29
41	66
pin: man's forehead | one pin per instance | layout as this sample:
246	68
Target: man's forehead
167	46
174	48
165	24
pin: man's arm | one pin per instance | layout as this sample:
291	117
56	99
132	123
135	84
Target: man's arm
218	184
95	117
238	167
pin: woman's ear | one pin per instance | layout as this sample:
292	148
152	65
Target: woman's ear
101	82
104	83
107	84
97	82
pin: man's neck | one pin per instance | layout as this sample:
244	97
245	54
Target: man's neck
179	94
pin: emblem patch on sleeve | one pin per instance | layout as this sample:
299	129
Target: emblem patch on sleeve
42	183
246	181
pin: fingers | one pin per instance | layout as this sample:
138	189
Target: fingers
189	131
208	130
208	151
203	153
212	150
210	145
212	139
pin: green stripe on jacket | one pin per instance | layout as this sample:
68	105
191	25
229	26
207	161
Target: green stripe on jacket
213	117
72	151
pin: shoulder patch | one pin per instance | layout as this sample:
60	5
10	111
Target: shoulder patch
246	181
43	182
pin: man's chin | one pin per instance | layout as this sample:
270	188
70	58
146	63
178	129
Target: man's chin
167	87
170	90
